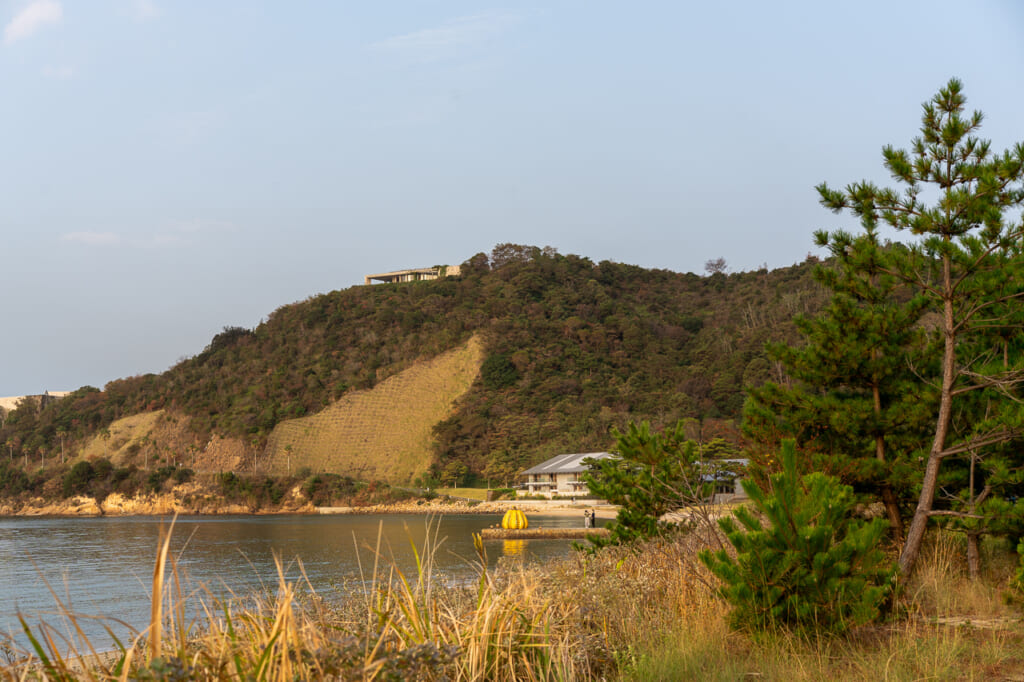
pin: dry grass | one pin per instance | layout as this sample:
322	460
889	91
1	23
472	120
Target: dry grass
946	627
384	433
402	627
116	443
645	613
468	493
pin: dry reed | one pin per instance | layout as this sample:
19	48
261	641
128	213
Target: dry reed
647	612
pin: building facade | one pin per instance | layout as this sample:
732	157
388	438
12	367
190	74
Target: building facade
414	274
559	476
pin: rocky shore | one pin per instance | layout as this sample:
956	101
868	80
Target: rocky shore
422	506
145	505
191	498
188	498
442	505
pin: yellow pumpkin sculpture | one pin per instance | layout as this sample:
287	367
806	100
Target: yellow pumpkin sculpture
514	520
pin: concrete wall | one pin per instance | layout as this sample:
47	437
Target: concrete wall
414	274
11	402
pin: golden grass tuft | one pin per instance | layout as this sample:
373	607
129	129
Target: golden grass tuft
644	613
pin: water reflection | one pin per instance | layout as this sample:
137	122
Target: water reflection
103	566
516	548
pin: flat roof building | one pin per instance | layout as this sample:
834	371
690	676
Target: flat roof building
414	274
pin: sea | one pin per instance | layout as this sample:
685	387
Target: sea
101	569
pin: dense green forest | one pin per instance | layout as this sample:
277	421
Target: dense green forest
573	347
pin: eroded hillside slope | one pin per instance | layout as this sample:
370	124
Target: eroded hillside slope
384	433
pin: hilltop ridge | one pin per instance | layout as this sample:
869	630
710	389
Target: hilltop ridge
566	349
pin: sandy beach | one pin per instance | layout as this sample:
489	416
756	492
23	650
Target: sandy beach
602	511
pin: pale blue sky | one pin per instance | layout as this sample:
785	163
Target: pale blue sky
170	168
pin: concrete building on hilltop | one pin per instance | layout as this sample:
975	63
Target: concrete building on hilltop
415	274
8	404
559	476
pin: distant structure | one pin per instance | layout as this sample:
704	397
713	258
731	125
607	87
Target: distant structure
727	476
560	475
415	274
46	397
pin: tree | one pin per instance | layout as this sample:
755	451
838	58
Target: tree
61	434
812	565
966	262
653	474
715	266
501	467
498	372
453	473
852	399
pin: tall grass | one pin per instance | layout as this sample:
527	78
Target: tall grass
945	627
643	613
401	627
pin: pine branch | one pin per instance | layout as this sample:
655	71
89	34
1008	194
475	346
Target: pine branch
1001	382
991	438
956	514
968	315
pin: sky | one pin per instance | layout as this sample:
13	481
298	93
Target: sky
168	169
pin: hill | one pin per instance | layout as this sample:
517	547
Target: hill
566	347
384	433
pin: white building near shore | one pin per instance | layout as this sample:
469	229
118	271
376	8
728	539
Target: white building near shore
560	476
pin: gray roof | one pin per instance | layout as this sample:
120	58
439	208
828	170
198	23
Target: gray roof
566	464
722	472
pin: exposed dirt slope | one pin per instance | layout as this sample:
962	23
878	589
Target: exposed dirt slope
124	438
152	439
380	434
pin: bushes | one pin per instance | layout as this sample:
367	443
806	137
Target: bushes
99	478
502	494
255	491
156	479
77	480
126	480
325	489
813	567
13	481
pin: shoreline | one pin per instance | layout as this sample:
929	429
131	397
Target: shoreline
79	507
541	508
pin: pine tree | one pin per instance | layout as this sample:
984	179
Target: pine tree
980	493
653	474
811	566
965	260
852	400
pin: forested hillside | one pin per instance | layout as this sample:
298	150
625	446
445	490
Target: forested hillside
571	347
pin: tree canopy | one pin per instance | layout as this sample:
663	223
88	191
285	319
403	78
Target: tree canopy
918	352
573	347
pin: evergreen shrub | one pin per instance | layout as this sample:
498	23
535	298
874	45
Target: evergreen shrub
77	480
813	566
652	474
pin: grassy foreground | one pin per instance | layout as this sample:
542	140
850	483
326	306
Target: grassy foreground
649	614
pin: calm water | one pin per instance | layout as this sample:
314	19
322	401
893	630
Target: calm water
104	566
